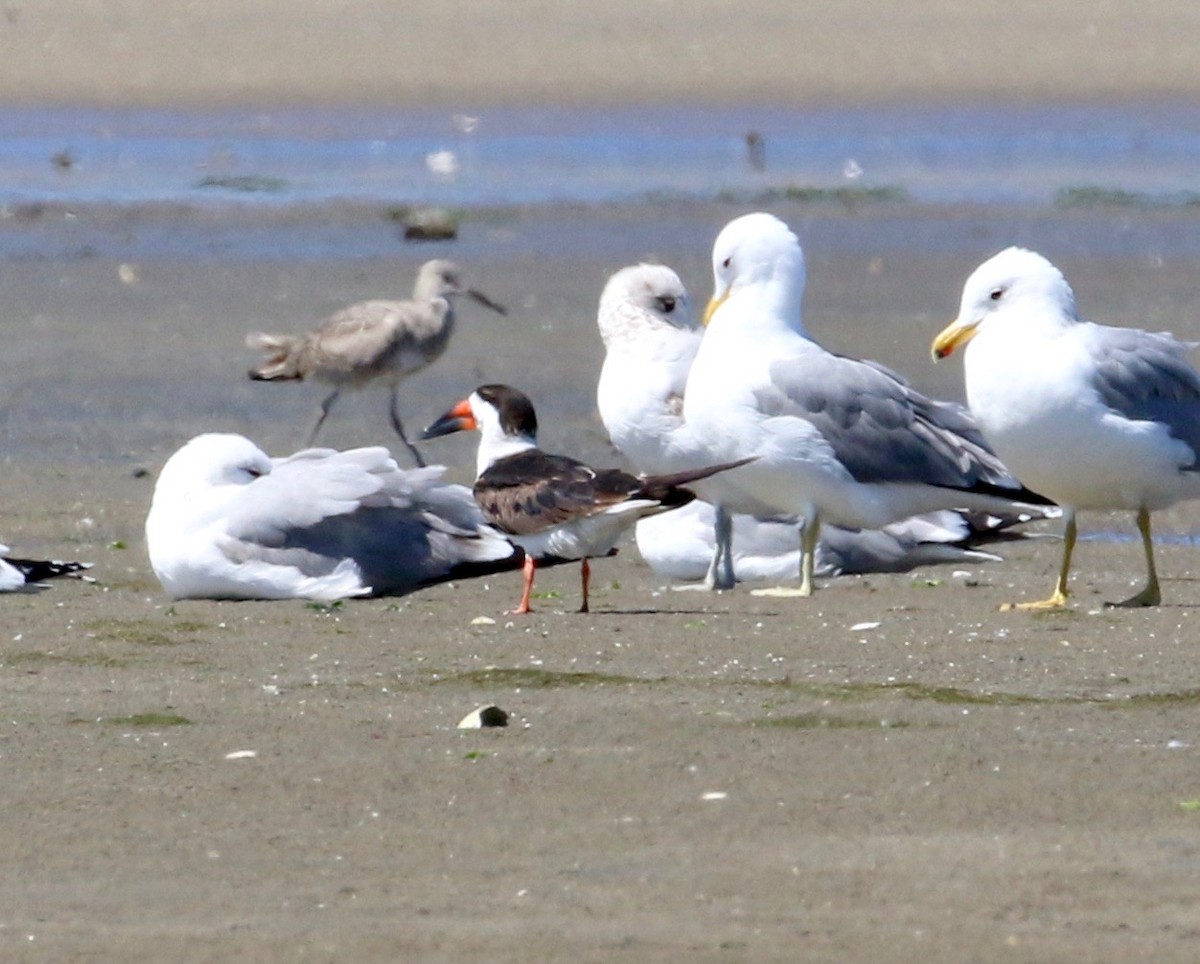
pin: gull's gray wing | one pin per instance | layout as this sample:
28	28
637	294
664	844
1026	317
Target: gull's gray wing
1146	376
402	529
303	489
880	428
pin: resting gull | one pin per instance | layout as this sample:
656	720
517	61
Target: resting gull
1093	416
227	522
372	340
834	439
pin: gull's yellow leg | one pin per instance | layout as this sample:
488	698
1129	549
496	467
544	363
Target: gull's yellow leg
1150	596
808	553
1058	598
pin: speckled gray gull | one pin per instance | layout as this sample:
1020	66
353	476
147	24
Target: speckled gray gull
228	522
836	439
650	340
1095	417
372	341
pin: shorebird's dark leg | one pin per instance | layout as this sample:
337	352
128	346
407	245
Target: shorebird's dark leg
394	411
325	407
585	574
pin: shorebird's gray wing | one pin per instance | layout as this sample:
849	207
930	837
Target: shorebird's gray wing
365	334
1146	376
880	429
320	509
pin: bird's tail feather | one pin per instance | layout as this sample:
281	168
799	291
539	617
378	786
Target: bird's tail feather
669	490
282	357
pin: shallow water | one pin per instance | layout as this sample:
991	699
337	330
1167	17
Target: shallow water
978	153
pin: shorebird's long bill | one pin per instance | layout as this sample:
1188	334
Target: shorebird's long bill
955	334
486	301
458	419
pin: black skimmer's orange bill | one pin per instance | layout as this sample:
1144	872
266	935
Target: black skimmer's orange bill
553	506
372	341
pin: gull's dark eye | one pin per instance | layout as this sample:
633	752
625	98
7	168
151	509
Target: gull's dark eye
997	294
667	303
726	262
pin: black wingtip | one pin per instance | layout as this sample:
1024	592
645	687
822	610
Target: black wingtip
36	570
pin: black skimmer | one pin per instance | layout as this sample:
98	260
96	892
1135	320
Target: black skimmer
553	506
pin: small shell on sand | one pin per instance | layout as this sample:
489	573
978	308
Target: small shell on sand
484	716
241	755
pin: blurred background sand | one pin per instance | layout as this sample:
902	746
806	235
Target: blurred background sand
435	53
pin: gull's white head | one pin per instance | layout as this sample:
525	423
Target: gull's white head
195	486
213	460
1016	282
759	252
643	298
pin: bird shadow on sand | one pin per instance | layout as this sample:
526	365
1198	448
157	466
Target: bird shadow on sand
646	612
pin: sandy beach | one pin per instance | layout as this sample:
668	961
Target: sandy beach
469	55
892	770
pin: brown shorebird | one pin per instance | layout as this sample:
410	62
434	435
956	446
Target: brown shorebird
372	341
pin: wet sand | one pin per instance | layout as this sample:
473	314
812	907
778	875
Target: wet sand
951	784
687	776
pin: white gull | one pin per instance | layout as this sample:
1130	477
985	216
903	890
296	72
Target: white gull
650	340
835	439
1095	417
228	522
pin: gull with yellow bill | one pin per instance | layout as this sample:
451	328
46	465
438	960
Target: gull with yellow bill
834	439
1094	417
